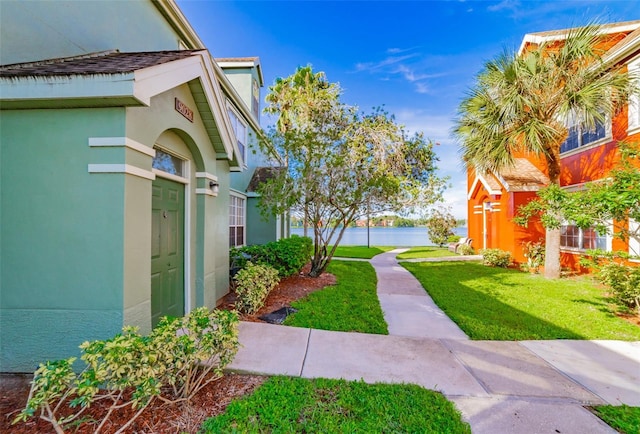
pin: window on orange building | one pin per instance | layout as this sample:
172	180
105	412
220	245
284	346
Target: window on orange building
573	237
580	135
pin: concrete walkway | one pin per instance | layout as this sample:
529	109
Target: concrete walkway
499	387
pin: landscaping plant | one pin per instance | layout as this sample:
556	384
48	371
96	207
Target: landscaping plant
252	286
534	252
622	279
496	258
440	225
173	363
465	250
342	164
287	255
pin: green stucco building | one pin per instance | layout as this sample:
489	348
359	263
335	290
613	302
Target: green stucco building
118	158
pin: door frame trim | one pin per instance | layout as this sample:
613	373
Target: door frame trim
187	220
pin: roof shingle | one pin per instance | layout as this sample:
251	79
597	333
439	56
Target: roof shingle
106	62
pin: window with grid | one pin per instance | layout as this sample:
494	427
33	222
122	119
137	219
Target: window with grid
573	237
236	221
580	135
240	130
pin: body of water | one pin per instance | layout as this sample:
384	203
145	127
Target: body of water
378	236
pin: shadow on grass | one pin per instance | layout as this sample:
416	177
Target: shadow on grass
480	313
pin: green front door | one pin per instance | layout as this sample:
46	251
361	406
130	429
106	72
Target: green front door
167	250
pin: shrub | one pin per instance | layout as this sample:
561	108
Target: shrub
496	258
534	252
453	238
287	255
168	364
253	284
624	280
440	225
465	249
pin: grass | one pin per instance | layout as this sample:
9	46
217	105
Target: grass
288	405
351	305
503	304
360	252
623	418
425	252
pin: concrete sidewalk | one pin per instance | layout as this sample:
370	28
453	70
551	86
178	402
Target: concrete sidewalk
499	387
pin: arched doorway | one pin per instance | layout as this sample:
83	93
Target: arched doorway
168	237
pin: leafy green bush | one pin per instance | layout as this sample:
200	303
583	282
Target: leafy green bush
624	280
496	258
453	238
465	249
287	255
534	252
253	284
169	364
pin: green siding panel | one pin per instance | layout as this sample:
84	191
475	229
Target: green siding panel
62	226
30	337
80	27
259	231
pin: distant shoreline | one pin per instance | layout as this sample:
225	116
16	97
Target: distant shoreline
386	236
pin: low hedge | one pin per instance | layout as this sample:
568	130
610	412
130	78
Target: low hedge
287	255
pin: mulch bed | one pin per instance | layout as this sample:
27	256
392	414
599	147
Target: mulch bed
161	417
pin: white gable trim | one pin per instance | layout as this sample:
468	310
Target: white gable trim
485	184
152	81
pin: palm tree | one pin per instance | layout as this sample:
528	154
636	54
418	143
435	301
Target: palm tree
521	103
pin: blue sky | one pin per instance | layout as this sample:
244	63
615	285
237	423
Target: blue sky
415	58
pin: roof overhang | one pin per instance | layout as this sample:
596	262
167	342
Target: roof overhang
560	35
131	89
243	62
487	186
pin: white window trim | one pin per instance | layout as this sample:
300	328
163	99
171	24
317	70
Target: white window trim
608	136
246	132
244	216
576	250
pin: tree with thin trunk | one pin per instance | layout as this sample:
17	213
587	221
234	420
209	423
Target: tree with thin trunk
522	103
341	163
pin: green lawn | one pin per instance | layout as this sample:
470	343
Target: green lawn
290	405
500	304
351	305
361	252
425	252
623	418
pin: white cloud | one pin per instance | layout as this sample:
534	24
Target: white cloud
383	64
512	5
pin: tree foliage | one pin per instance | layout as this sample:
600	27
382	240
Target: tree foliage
342	164
440	225
522	103
606	205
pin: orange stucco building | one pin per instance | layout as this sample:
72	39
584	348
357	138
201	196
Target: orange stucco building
494	198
